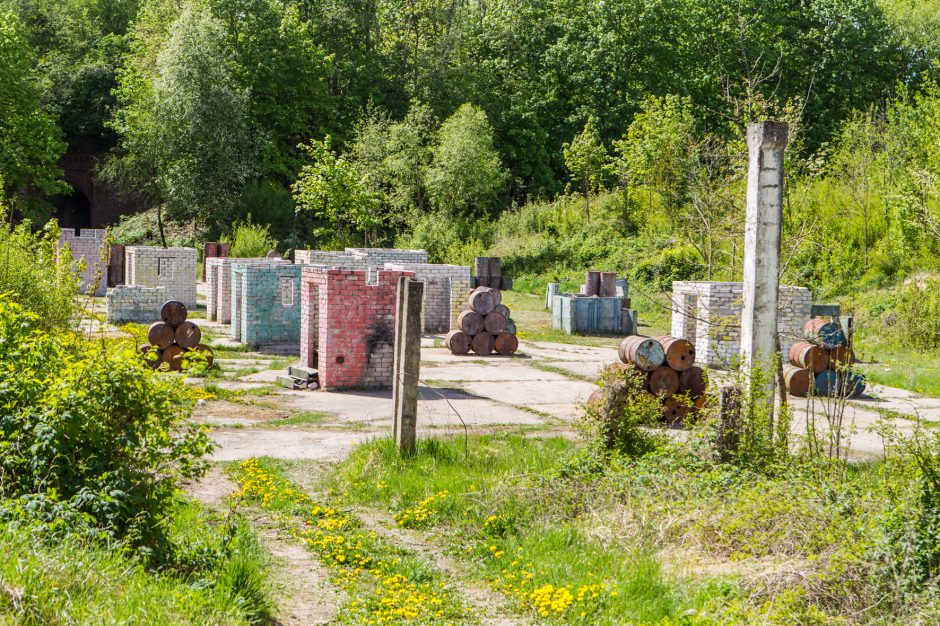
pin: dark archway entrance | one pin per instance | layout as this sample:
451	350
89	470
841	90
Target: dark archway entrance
73	210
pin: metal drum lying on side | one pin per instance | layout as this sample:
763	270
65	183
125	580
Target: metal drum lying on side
645	352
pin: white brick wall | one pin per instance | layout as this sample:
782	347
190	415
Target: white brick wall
135	304
172	268
88	245
445	292
368	259
709	315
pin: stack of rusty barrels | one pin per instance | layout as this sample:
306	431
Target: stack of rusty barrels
821	364
668	366
484	328
173	337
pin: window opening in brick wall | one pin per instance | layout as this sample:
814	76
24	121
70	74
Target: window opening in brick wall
286	287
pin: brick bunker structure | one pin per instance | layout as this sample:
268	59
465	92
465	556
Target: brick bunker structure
445	292
172	268
348	326
130	303
219	281
88	244
709	315
265	305
369	259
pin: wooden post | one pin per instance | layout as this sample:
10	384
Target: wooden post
407	365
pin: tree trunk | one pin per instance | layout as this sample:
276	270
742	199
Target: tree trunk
160	225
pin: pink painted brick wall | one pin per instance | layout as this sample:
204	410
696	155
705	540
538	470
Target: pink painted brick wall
349	325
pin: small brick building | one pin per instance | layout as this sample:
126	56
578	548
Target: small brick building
265	305
172	268
446	288
219	282
368	259
348	326
88	244
709	315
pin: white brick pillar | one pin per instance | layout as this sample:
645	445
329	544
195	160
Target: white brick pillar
766	143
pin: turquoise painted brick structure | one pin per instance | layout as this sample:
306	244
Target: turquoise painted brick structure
266	306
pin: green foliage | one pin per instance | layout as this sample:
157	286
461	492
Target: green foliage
616	421
333	191
445	238
680	263
34	274
916	316
585	158
185	137
90	436
251	240
465	176
30	143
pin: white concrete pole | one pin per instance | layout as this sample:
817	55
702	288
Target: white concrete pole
766	142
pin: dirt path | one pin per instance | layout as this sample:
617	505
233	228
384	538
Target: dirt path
302	591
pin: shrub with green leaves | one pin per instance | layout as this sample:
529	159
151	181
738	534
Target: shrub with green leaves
33	273
90	435
251	240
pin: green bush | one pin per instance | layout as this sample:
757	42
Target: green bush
89	435
681	263
35	275
251	240
917	315
446	239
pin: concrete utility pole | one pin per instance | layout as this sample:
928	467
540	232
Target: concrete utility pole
407	364
766	142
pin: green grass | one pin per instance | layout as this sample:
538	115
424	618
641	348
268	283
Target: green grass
310	418
898	366
75	580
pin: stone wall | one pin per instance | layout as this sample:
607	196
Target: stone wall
127	303
446	288
89	244
219	282
348	326
265	305
369	260
172	268
709	315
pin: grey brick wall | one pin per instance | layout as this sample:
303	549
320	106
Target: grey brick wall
369	260
128	303
172	268
446	288
219	282
709	315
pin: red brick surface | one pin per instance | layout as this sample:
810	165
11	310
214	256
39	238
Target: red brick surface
349	325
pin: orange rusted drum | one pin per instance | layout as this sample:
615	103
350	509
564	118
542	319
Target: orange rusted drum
841	356
680	354
188	335
173	312
798	380
507	344
671	411
806	355
161	335
458	342
663	381
692	381
494	323
482	300
483	343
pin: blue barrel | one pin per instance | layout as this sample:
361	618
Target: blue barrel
827	383
510	326
829	334
854	385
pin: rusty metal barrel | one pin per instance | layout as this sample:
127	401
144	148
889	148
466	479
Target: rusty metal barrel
828	334
481	266
151	355
692	381
482	301
502	309
700	404
207	352
173	357
842	356
645	352
510	326
672	412
173	312
507	344
188	335
608	285
494	323
470	322
497	295
663	382
483	343
161	335
827	383
806	355
799	380
592	283
680	354
458	342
